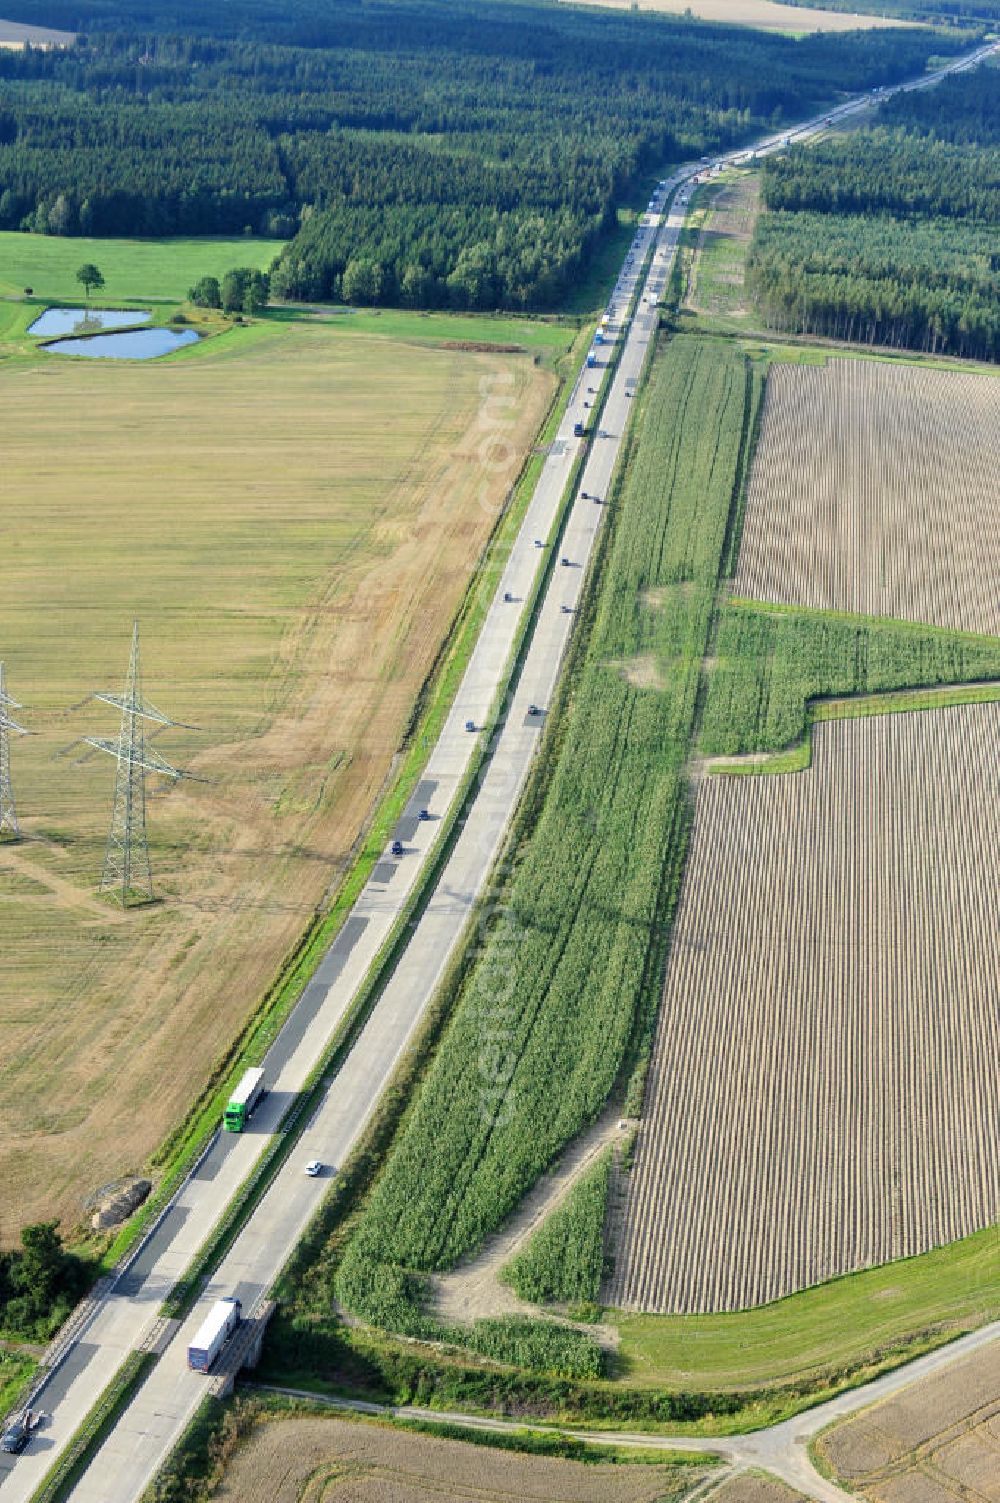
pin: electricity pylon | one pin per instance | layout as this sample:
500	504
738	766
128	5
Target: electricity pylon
126	860
9	827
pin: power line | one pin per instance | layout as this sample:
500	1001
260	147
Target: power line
126	859
9	828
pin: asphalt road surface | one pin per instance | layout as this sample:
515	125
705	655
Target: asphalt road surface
128	1316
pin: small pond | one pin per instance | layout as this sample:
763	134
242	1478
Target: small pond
79	320
138	344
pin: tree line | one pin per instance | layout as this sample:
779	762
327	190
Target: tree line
888	236
434	153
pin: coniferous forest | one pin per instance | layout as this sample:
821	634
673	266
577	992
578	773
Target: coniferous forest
889	236
413	153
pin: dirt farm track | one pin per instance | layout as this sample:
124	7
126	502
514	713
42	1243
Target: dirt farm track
823	1087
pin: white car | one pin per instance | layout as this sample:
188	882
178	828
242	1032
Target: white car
314	1168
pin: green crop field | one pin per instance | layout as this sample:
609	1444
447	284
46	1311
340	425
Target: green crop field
159	269
564	1261
587	903
769	661
293	584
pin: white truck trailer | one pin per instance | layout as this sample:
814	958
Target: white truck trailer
213	1333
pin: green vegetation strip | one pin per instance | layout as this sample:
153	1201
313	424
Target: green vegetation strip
591	893
16	1372
74	1460
771	664
564	1260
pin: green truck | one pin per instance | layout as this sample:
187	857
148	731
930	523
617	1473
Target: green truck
243	1100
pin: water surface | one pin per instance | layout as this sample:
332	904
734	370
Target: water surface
79	320
138	344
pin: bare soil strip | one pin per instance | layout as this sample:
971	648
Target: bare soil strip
823	1090
876	489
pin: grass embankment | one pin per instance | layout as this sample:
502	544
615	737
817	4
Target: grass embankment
821	1338
16	1372
564	1260
770	662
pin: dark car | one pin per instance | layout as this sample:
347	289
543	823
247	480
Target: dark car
397	847
424	814
15	1438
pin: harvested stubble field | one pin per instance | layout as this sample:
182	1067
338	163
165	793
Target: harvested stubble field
343	1461
876	489
937	1442
765	15
823	1091
755	1487
294	518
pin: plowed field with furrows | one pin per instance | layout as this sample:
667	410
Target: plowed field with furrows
823	1092
876	489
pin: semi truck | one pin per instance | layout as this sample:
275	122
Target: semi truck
243	1100
213	1333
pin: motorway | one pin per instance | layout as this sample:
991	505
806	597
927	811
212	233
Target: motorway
127	1317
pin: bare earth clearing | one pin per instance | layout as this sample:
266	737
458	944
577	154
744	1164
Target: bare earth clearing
823	1090
717	273
876	489
937	1442
340	1461
18	34
765	15
295	521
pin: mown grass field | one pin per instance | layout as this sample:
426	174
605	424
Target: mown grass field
160	269
293	513
585	905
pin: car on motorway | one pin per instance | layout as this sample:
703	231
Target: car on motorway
470	725
534	710
423	814
397	847
314	1168
17	1434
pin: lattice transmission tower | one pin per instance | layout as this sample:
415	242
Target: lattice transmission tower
126	860
9	827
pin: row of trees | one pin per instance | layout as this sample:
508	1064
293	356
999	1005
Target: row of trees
889	236
456	155
242	290
40	1282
